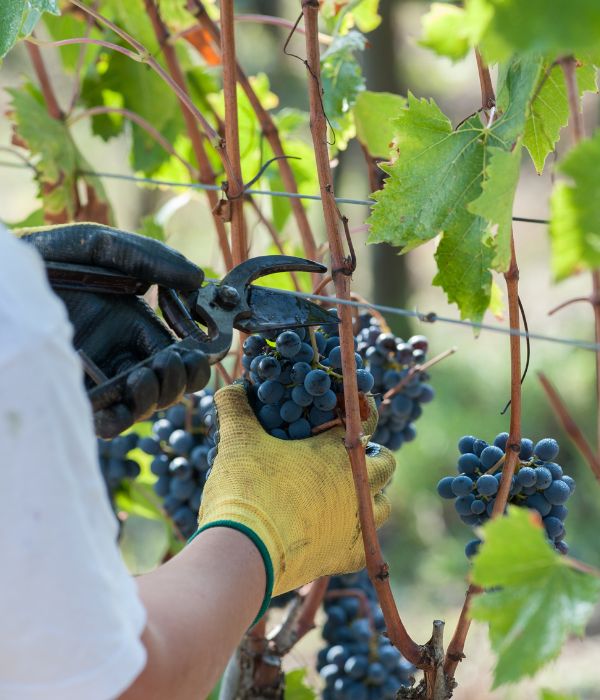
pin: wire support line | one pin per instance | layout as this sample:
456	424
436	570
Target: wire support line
217	188
432	317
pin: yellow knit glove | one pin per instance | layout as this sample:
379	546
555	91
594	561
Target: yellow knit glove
295	499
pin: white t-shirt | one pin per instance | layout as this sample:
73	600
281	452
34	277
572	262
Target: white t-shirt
70	615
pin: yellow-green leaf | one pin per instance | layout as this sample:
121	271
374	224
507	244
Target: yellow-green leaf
373	115
534	599
575	216
445	31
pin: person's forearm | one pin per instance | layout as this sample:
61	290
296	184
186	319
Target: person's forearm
199	604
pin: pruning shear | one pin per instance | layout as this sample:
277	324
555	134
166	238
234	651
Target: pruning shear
218	306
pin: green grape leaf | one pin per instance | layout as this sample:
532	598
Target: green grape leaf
18	19
501	176
575	217
150	227
36	218
60	165
296	687
536	600
144	543
550	110
341	17
440	171
537	27
373	114
445	31
553	695
464	257
342	80
366	15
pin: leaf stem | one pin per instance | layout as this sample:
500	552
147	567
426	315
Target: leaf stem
377	567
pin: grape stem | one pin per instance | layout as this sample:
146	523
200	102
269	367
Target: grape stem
376	565
325	426
411	373
39	66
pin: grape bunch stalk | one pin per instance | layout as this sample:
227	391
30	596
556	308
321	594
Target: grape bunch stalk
359	662
538	483
295	380
116	466
400	388
183	452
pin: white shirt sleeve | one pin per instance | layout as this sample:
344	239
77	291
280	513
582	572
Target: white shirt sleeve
70	615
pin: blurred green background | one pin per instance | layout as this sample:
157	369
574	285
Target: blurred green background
424	539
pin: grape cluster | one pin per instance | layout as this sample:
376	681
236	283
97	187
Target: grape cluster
115	466
359	662
183	452
538	483
295	380
391	362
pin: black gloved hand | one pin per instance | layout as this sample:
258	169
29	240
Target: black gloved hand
119	331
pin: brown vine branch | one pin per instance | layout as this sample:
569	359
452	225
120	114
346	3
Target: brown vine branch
207	175
455	653
310	606
143	124
376	565
235	184
39	67
570	426
269	130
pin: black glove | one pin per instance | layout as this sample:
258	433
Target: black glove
118	331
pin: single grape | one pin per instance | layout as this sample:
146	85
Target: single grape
472	547
444	487
299	429
364	380
546	449
269	368
490	456
569	481
554	527
466	443
487	485
301	396
526	452
526	477
543	478
288	344
270	391
558	492
500	441
317	382
469	464
462	485
290	412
